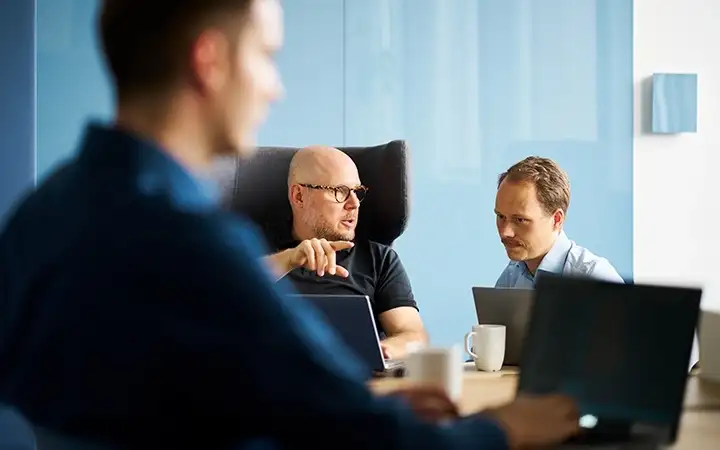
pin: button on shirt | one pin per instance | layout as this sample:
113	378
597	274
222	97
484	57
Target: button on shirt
565	257
133	311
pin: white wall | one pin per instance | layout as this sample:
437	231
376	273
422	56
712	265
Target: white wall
677	207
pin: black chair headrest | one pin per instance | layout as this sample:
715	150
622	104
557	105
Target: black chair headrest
258	188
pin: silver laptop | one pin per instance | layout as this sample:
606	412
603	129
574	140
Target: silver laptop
353	318
509	307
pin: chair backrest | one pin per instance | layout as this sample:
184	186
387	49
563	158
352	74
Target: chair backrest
16	433
258	188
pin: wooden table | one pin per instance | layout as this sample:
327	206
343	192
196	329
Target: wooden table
702	395
700	426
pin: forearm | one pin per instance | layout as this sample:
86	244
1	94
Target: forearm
400	342
408	336
279	263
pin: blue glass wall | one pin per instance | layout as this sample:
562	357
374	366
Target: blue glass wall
71	82
17	101
473	85
312	66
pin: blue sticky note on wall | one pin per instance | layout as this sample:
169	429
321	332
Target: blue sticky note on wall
674	103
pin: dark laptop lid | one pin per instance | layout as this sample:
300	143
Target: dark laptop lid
620	350
352	318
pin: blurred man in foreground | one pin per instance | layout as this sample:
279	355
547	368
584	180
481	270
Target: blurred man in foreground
135	312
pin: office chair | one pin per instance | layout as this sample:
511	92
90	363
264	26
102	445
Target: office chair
258	188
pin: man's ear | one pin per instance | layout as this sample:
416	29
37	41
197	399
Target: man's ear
209	61
558	218
295	195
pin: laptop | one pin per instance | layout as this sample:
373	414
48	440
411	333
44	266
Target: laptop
353	318
621	350
509	307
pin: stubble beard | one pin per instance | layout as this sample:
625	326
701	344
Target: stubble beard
327	233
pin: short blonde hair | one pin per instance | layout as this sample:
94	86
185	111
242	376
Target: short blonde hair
551	182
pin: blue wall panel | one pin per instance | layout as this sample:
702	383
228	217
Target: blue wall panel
674	103
17	100
311	65
474	86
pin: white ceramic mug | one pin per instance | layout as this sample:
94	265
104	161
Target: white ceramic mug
488	346
437	366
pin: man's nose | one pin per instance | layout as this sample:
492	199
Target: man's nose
506	231
352	202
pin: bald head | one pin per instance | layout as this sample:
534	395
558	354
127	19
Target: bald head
322	165
318	181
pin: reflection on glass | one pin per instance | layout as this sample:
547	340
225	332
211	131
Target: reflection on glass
456	110
55	26
563	70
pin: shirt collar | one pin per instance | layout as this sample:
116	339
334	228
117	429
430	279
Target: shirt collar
111	149
554	261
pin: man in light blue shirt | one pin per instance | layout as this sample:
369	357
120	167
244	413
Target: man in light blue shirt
531	204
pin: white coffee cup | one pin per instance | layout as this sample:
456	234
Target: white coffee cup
437	366
488	346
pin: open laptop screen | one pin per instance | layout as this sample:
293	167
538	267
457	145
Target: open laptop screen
353	320
620	350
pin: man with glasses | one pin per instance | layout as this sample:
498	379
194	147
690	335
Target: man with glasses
325	192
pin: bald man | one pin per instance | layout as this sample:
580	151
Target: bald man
325	192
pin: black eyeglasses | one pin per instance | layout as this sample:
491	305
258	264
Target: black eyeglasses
342	193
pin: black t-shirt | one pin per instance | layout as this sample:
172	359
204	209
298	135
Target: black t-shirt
375	270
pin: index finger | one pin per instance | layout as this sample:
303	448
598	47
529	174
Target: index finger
341	245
